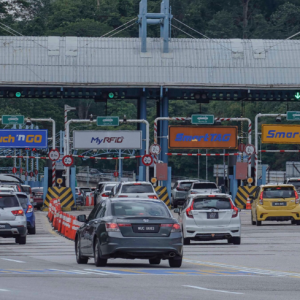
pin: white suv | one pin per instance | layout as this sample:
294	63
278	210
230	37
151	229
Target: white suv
13	223
141	189
210	217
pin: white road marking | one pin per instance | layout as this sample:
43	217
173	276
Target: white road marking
3	290
103	272
211	290
18	261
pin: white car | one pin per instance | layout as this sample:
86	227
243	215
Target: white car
105	191
203	188
207	217
141	189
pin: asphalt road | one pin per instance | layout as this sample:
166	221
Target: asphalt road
265	266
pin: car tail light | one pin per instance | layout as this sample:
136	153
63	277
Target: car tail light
211	196
188	211
104	195
296	198
122	196
19	189
79	193
152	197
235	212
261	199
124	225
175	227
137	183
30	190
18	212
112	227
29	209
179	188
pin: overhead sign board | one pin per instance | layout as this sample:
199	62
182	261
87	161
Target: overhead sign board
108	121
280	134
208	137
293	116
107	139
23	138
12	120
203	119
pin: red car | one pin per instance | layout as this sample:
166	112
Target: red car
37	193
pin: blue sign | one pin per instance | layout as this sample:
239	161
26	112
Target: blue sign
23	138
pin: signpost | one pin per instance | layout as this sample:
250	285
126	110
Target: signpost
12	120
203	119
54	155
293	116
68	161
147	160
107	121
116	174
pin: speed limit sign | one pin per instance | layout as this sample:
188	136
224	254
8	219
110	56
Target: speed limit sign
68	161
54	155
147	160
155	149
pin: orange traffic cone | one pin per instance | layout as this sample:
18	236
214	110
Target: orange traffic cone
248	205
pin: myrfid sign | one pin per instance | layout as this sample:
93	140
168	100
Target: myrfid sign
23	138
114	139
208	137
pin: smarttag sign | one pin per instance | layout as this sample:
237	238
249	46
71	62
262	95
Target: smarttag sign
280	134
205	137
23	138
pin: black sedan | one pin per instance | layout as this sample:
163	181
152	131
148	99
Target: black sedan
129	228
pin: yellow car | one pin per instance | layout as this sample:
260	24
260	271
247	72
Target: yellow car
273	202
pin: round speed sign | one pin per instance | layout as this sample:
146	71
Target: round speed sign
68	161
155	149
147	160
54	155
249	149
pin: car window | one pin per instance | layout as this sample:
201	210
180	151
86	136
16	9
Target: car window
93	212
101	212
200	186
137	188
109	187
26	189
37	190
23	201
186	184
8	201
296	183
278	192
207	203
139	209
175	185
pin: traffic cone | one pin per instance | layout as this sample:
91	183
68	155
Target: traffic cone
248	205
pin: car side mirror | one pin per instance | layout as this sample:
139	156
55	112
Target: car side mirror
82	218
177	211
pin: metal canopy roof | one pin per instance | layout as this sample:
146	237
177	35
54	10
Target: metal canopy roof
72	61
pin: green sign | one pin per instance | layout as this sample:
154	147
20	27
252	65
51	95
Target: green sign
297	96
108	121
18	94
111	95
12	120
203	119
293	116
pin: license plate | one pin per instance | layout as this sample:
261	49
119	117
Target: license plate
145	228
212	215
279	203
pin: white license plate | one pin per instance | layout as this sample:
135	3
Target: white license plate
147	228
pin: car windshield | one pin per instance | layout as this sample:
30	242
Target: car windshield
295	183
208	203
23	200
109	188
26	189
201	186
139	209
279	192
8	201
37	190
186	184
86	189
137	188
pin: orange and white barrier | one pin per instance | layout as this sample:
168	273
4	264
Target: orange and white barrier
89	200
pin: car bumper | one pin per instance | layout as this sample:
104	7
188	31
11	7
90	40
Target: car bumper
277	215
212	233
13	231
39	202
132	247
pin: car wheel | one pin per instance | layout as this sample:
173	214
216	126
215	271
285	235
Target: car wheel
298	222
99	262
31	230
154	261
174	204
252	221
80	259
258	223
236	240
294	222
175	262
186	241
21	240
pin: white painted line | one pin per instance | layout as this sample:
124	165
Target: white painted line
211	290
18	261
104	272
3	290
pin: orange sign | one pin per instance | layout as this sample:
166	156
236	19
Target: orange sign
205	137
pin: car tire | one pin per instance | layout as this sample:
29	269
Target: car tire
186	241
258	223
154	261
236	240
294	222
31	230
21	240
175	262
79	258
174	204
252	221
99	262
298	222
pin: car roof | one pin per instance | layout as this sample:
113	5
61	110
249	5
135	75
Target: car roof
135	199
7	193
188	180
135	182
222	195
277	184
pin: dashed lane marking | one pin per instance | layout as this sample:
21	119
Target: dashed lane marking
17	261
211	290
3	290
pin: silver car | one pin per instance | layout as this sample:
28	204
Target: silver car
105	191
203	188
141	189
13	223
207	217
180	191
